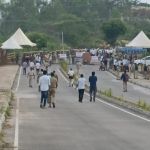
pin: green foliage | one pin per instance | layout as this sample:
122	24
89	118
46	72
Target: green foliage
64	65
142	104
108	92
44	41
79	20
112	30
40	39
8	112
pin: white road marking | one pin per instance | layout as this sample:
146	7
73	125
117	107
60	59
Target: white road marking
16	140
18	80
113	106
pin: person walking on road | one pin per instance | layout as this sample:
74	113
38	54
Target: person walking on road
81	87
78	66
44	83
37	65
24	66
135	71
56	76
124	78
52	90
71	77
31	76
32	65
93	86
39	75
145	71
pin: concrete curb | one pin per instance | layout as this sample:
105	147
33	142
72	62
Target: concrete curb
133	82
6	105
123	104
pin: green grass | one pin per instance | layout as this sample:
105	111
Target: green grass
8	112
64	65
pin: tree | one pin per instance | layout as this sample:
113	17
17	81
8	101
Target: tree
44	41
112	30
39	38
79	20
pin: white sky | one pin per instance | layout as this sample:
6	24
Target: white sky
146	1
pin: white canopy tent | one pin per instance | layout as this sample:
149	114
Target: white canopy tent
11	44
22	39
140	41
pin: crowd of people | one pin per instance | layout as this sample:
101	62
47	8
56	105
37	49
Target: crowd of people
81	84
37	67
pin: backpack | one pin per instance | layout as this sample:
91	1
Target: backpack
126	77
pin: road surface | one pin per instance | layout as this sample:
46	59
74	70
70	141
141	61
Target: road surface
76	126
106	81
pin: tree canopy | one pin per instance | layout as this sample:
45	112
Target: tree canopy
112	30
81	21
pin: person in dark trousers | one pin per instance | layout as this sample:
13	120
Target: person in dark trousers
81	87
124	78
93	86
145	71
135	71
44	83
24	66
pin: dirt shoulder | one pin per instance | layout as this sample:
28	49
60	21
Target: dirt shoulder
7	76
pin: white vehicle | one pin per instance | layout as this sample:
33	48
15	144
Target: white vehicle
145	60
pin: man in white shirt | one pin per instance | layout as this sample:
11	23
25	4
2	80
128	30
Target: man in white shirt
31	64
81	87
115	64
44	83
37	65
71	77
36	58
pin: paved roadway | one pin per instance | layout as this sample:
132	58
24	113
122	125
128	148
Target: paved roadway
106	80
76	126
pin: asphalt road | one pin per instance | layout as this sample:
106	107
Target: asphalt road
76	126
106	80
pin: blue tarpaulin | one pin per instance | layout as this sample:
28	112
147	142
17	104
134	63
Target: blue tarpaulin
132	50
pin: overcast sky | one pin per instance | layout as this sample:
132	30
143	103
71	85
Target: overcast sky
147	1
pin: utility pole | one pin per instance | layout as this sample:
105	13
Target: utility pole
62	40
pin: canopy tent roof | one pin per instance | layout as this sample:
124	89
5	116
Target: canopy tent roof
141	41
21	38
11	44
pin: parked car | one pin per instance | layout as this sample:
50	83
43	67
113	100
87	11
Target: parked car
145	60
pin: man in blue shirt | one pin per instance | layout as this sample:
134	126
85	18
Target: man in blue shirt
93	86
